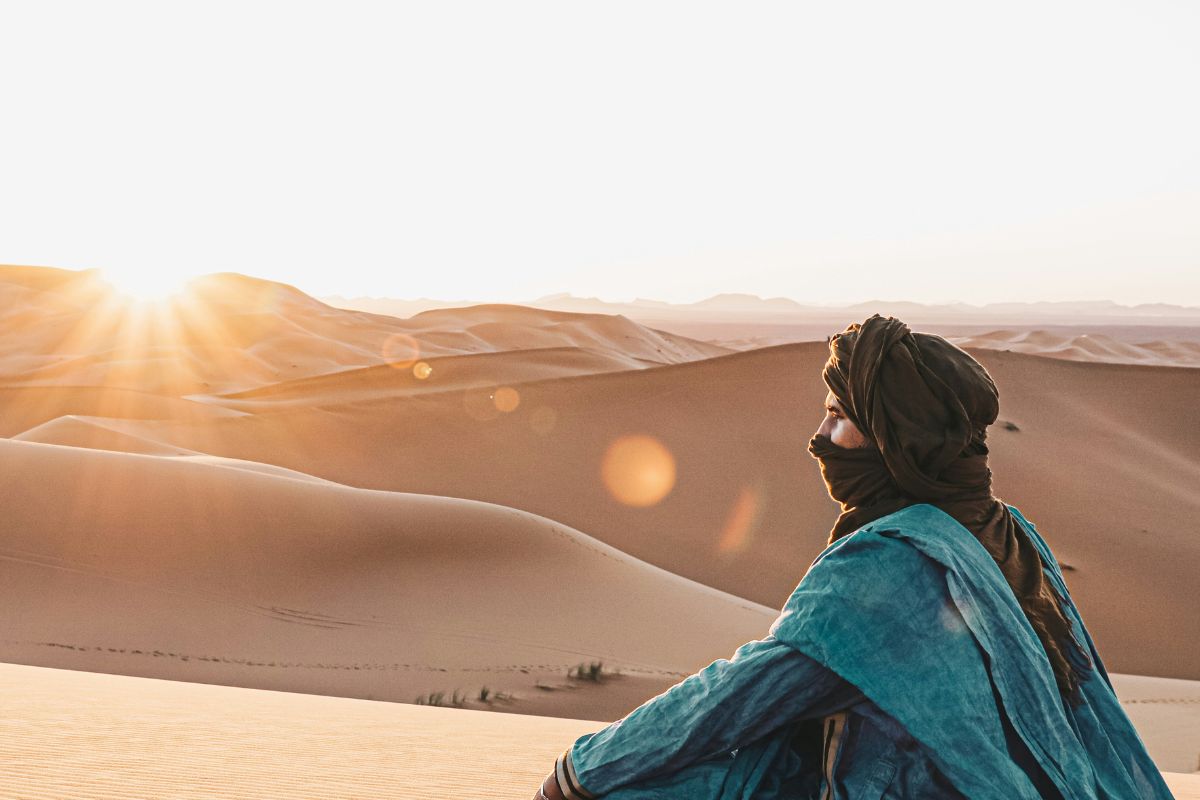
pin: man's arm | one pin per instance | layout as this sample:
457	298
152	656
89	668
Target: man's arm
726	705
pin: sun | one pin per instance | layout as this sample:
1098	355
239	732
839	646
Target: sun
145	286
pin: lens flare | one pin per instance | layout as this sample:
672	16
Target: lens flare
543	419
740	524
506	399
400	350
638	470
478	403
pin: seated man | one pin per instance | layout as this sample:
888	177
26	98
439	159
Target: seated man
931	650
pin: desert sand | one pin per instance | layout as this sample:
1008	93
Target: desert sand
80	734
1150	333
251	488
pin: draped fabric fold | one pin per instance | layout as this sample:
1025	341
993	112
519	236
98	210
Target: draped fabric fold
914	612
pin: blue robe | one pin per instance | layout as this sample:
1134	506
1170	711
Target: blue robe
909	626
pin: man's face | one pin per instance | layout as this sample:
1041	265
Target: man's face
838	427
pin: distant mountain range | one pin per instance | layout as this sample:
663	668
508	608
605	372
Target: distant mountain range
732	306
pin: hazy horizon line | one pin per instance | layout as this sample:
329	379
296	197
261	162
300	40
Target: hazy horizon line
750	297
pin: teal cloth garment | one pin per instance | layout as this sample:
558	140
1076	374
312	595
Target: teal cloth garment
700	720
957	697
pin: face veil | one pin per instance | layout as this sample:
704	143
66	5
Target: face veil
924	405
858	479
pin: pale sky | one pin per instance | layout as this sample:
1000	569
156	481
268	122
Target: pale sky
828	152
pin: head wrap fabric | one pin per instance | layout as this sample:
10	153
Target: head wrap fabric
924	406
858	479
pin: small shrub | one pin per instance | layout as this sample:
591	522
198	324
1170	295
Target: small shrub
457	699
593	671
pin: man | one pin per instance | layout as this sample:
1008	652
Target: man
931	650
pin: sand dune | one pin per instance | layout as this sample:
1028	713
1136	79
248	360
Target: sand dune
23	407
67	735
511	327
1108	340
231	333
177	568
747	511
484	371
1086	347
96	433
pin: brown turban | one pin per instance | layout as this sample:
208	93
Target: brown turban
924	406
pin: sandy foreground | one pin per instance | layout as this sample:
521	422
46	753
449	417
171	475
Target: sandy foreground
66	734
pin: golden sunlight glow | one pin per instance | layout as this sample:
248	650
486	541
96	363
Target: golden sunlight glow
638	470
144	287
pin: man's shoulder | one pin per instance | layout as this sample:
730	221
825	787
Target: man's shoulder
920	516
927	521
889	541
897	529
917	533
